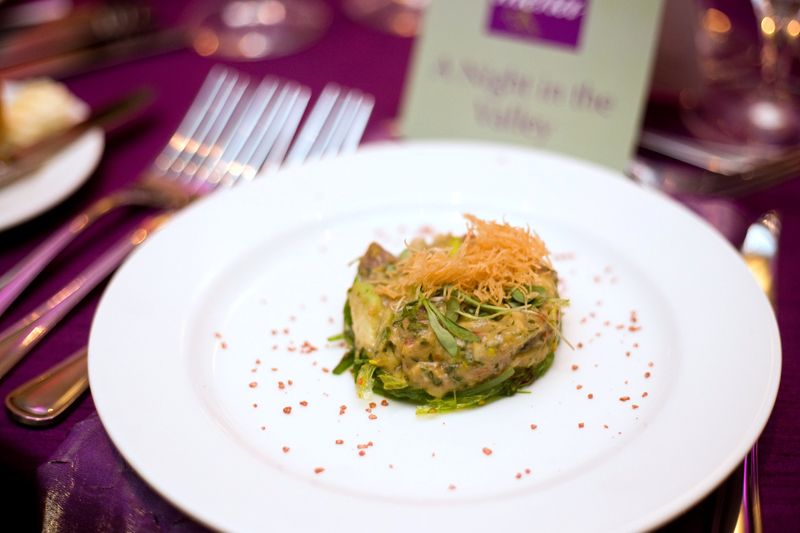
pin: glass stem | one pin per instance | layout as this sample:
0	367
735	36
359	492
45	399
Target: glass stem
773	16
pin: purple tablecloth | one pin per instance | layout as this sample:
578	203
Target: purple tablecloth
354	56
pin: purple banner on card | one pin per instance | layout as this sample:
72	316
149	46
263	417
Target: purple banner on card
557	22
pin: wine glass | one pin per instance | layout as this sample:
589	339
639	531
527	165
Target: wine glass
259	29
399	17
763	110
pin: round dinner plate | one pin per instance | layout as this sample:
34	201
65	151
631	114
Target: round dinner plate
211	370
55	180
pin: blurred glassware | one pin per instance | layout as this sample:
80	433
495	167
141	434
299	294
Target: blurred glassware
762	108
249	30
675	68
399	17
727	40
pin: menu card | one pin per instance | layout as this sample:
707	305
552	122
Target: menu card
563	75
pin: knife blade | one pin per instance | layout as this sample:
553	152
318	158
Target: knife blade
28	159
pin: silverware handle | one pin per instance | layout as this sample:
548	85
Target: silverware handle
13	282
43	399
749	520
759	251
20	338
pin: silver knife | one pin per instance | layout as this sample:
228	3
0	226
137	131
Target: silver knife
759	251
26	160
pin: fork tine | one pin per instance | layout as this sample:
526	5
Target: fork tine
278	154
212	85
344	125
283	130
270	119
252	142
313	126
241	129
191	143
331	126
351	110
348	124
335	125
220	132
205	140
359	124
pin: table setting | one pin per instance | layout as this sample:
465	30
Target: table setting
186	193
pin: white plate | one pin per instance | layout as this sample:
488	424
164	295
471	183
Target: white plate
56	180
235	286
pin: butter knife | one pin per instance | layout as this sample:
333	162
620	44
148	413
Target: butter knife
26	160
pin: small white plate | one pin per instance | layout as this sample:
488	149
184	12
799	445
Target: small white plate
56	180
210	369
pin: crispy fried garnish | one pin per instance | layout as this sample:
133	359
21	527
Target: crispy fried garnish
493	259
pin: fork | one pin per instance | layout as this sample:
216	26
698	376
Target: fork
240	130
334	126
176	176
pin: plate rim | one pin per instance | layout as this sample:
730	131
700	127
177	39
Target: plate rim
93	141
